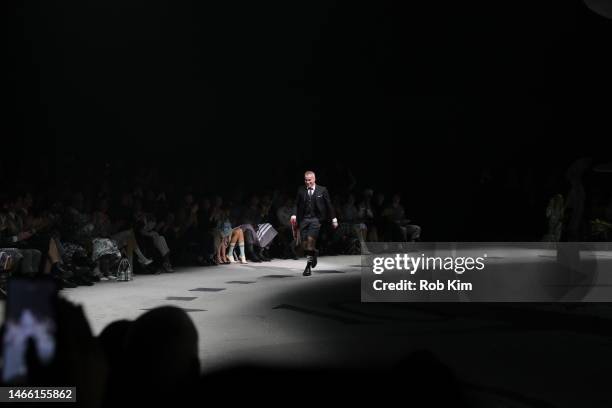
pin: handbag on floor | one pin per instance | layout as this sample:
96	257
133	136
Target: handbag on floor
124	270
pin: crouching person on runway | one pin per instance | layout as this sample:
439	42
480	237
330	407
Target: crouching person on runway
313	206
226	238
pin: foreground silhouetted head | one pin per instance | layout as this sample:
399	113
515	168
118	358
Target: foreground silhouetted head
160	357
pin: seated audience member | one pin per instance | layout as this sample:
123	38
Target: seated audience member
122	220
352	219
555	213
258	234
396	214
365	213
17	260
285	231
152	242
381	226
39	251
205	233
196	243
109	246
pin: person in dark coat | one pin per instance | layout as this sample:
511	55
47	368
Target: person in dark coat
313	207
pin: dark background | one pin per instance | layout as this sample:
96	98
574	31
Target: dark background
472	111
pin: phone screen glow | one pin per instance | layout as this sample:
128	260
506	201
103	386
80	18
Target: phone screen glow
30	313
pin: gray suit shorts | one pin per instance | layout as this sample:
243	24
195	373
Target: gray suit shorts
310	227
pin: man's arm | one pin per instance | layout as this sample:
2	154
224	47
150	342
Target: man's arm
298	201
330	208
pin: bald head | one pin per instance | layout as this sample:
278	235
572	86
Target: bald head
309	178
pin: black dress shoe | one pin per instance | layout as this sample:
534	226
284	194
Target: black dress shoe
254	258
307	271
263	256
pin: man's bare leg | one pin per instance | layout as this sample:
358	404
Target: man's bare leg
311	254
312	243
